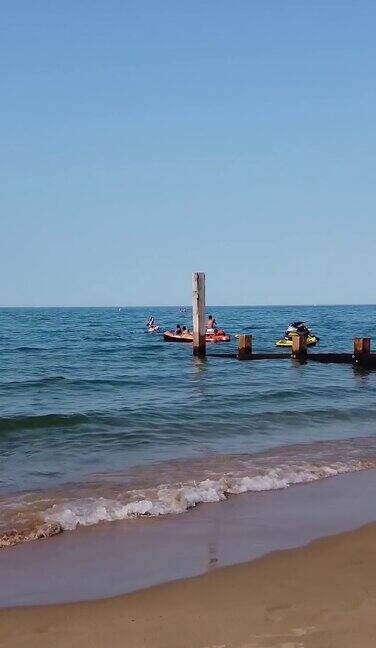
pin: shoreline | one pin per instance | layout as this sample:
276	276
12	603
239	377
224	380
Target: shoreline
318	596
139	491
121	557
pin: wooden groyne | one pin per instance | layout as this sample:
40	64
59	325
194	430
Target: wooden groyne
368	362
361	355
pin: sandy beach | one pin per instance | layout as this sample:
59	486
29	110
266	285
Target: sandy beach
322	595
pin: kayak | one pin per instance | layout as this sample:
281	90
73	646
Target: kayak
286	342
170	336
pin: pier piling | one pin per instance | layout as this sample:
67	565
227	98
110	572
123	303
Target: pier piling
299	347
198	312
244	347
362	349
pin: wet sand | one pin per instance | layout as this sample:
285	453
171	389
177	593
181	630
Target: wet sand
116	558
320	596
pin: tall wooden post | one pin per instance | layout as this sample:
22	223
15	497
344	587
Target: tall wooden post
198	311
299	346
244	347
362	349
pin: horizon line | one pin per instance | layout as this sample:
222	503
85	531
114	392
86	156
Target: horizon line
117	306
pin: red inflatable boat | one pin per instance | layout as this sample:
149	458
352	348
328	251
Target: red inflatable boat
220	336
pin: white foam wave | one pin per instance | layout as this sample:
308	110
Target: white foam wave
177	499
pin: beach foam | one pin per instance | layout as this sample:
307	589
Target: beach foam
177	499
174	487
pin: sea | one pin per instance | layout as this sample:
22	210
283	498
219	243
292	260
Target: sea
102	421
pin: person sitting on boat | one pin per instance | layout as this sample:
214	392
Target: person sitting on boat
178	330
211	324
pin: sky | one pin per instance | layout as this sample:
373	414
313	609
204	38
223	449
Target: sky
141	141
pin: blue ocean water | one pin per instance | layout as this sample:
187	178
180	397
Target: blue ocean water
88	397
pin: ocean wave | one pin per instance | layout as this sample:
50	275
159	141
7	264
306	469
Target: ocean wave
12	423
173	487
73	382
176	499
32	382
29	348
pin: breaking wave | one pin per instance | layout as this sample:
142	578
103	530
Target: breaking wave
172	488
177	499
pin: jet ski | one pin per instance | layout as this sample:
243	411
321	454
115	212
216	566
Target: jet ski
297	328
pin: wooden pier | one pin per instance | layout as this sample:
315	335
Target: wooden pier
361	356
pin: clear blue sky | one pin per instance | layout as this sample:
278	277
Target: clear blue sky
143	140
